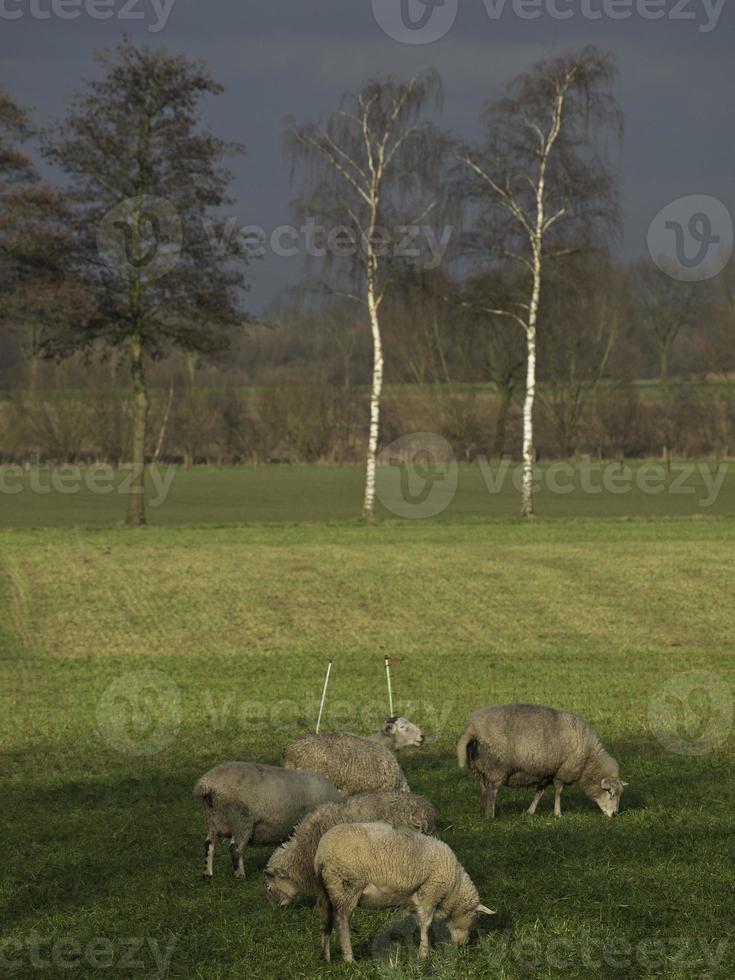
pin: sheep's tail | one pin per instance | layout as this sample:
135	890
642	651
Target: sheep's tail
470	735
203	789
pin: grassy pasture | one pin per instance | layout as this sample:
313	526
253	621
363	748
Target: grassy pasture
81	497
104	844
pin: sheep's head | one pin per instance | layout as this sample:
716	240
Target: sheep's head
462	922
608	795
279	891
402	732
462	910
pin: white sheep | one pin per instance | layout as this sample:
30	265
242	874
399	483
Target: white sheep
373	865
398	733
353	763
250	802
529	745
290	870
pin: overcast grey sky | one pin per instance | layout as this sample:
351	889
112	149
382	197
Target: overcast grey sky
279	57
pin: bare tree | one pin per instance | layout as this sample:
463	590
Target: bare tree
368	169
584	310
493	342
543	187
666	306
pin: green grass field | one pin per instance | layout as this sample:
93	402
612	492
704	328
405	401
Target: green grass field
134	660
79	497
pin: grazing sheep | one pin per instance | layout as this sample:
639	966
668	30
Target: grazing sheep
398	733
291	868
528	745
250	802
353	763
373	865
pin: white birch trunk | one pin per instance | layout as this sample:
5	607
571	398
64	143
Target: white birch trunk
529	454
368	510
537	237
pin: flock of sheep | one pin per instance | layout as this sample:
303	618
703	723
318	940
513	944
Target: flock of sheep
356	835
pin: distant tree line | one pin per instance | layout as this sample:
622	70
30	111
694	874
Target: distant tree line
125	336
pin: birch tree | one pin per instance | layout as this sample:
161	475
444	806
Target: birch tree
542	187
368	169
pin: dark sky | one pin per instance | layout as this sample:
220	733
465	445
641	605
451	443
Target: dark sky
280	57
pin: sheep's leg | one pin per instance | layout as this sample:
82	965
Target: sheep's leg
240	826
209	856
535	801
558	787
487	798
326	917
342	918
209	843
238	865
424	918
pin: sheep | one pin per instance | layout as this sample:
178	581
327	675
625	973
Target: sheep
291	868
353	763
374	865
248	801
398	733
529	745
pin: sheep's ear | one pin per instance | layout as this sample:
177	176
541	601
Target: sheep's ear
389	726
623	783
485	910
606	784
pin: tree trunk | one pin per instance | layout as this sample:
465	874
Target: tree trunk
529	453
506	394
528	447
136	500
192	363
368	510
664	363
164	424
33	374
